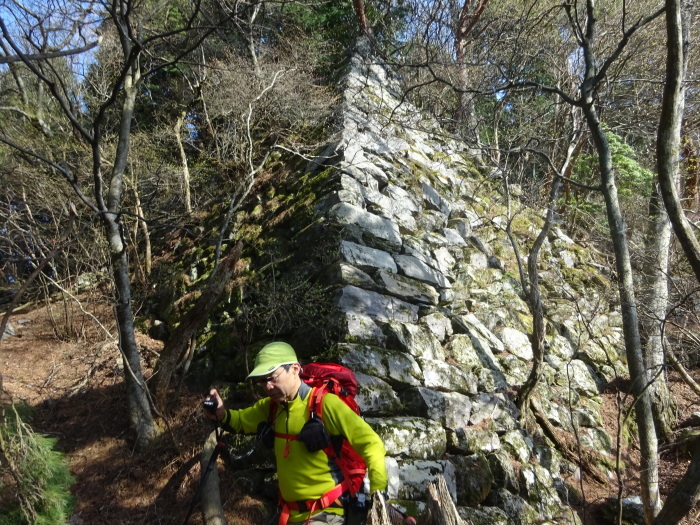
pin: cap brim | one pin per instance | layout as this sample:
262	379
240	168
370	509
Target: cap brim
263	370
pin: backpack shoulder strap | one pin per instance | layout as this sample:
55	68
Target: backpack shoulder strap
316	401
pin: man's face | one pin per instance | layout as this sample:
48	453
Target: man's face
282	384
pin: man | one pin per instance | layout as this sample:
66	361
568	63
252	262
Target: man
307	480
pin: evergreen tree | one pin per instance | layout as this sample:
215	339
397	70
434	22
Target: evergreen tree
37	490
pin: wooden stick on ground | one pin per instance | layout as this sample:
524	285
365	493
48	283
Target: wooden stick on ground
212	510
378	514
442	508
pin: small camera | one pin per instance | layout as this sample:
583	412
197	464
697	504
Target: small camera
210	404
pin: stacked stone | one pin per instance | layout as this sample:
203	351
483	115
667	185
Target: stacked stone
436	329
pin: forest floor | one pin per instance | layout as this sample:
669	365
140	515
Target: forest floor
61	363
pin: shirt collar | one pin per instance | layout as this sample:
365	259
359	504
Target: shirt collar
304	390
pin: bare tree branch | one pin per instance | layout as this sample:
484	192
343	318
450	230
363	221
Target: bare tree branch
52	54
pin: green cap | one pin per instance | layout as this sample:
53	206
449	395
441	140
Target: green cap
271	357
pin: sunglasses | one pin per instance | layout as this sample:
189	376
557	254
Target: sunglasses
269	379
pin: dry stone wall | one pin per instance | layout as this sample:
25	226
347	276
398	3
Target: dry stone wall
434	319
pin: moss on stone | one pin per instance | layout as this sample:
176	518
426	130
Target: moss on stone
584	278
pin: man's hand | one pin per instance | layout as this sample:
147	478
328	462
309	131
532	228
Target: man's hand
214	400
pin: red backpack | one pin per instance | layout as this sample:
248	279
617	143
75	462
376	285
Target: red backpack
336	379
341	381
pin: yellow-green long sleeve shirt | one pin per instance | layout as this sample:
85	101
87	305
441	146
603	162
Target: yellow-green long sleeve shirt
305	475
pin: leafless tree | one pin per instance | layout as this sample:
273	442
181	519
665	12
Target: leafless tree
584	24
138	47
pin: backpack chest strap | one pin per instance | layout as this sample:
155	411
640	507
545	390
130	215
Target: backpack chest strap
329	499
288	438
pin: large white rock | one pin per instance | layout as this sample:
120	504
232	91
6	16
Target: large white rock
413	267
493	411
406	288
375	396
450	409
438	324
413	339
440	375
354	300
394	367
366	258
374	225
516	342
411	437
363	328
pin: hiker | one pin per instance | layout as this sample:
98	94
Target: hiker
310	480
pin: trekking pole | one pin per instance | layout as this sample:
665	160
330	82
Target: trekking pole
211	405
218	449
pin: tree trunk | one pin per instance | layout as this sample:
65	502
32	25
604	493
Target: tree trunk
465	116
691	178
143	226
678	367
534	303
378	514
469	15
180	338
649	468
630	319
658	245
361	16
668	137
532	287
140	417
684	496
183	160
